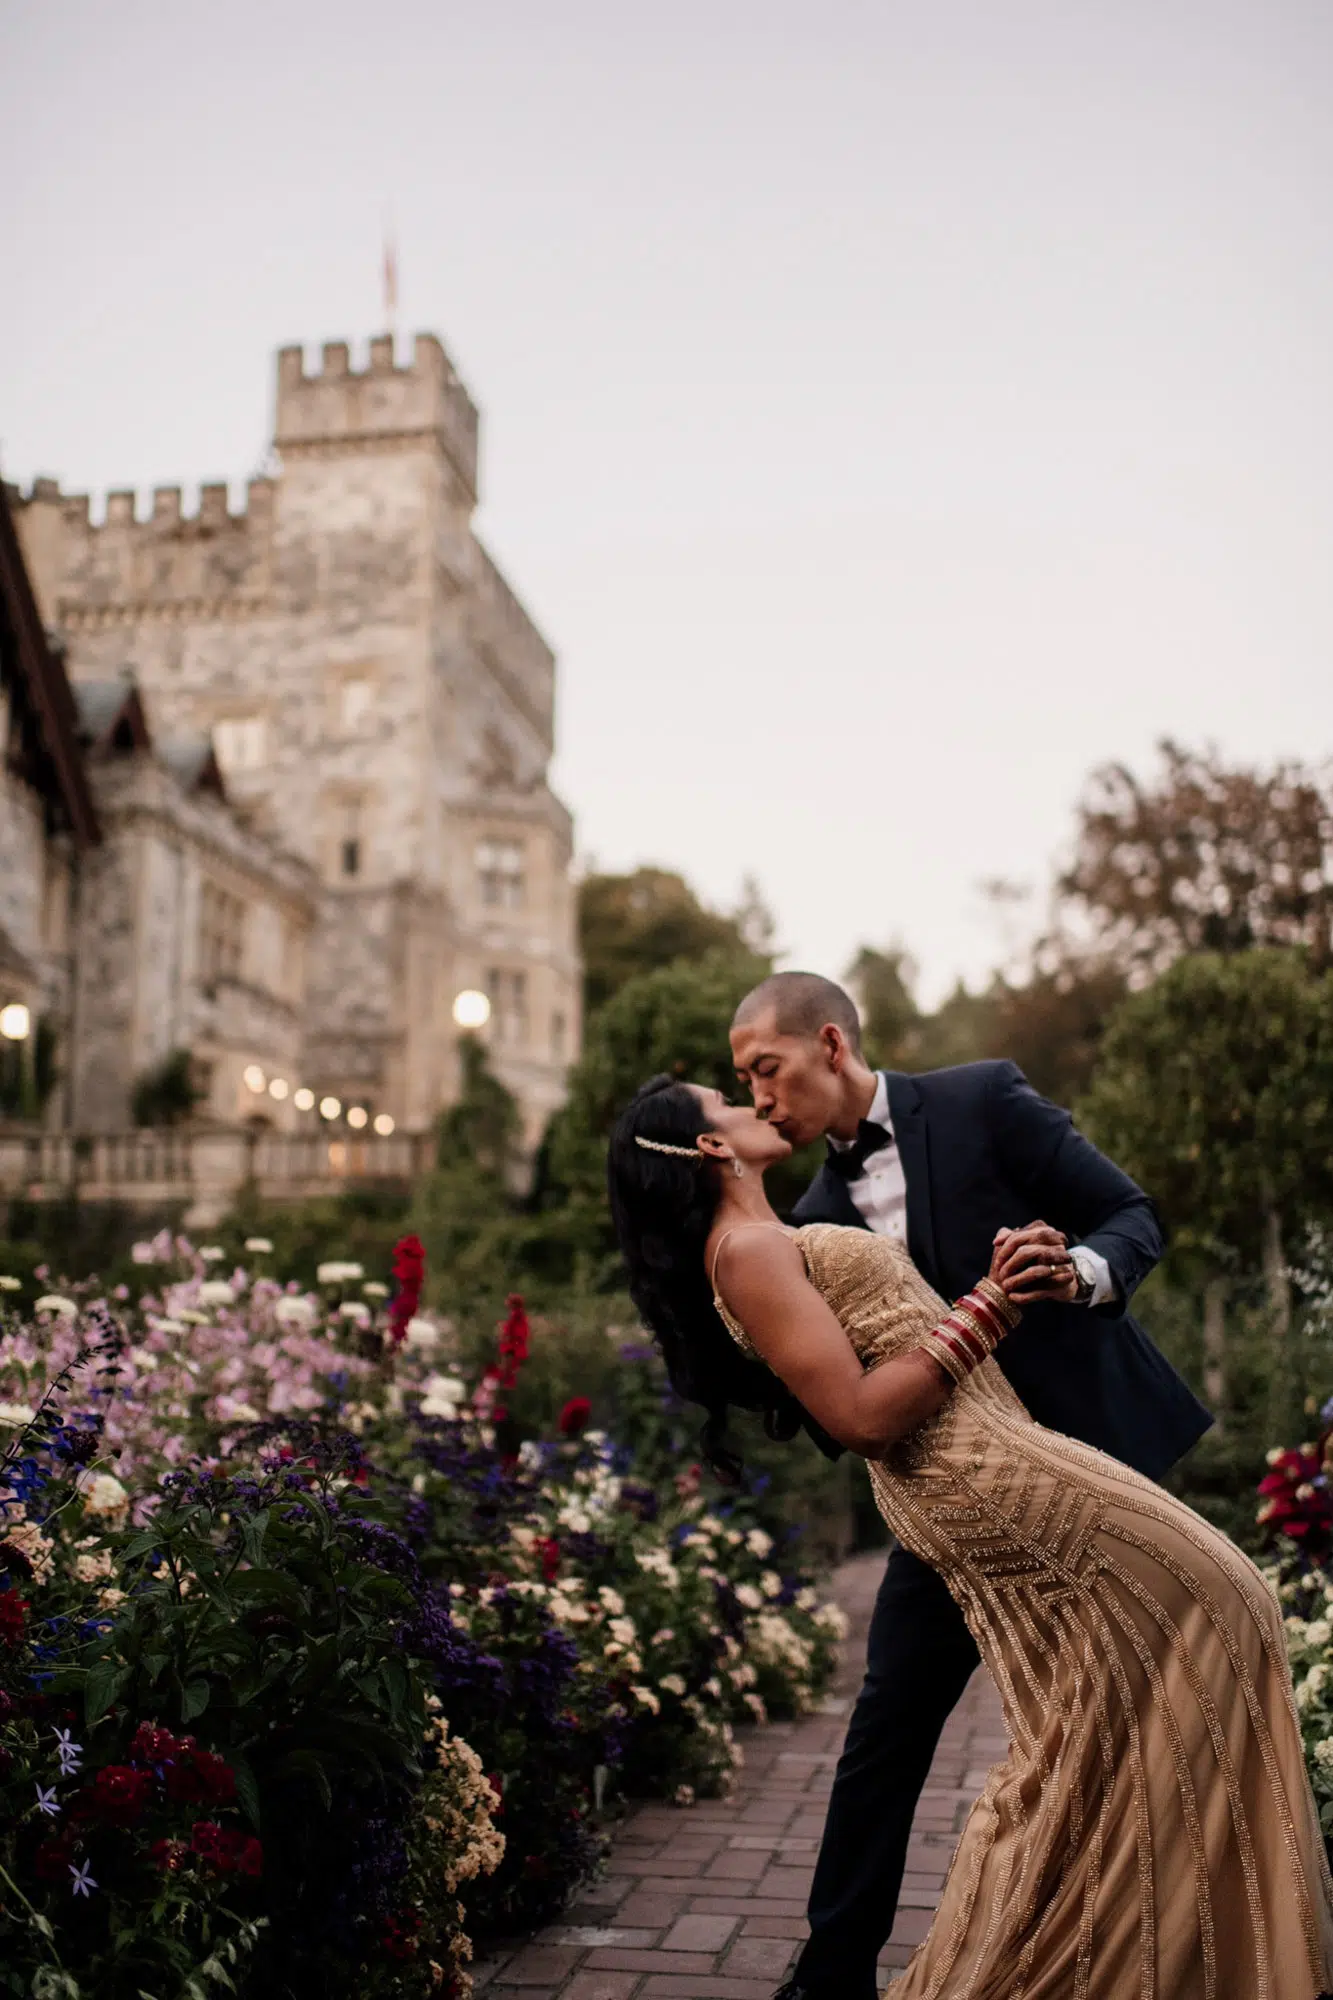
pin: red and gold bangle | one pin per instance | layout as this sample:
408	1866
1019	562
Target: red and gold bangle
973	1330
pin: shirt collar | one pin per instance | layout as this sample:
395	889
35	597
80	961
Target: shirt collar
878	1113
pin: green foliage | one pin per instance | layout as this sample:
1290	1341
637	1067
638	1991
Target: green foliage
29	1072
167	1093
1213	1091
638	923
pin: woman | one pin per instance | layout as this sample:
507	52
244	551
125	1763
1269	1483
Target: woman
1151	1834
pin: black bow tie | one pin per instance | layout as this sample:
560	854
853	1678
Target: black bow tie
848	1162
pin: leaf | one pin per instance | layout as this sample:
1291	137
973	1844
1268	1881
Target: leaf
304	1762
247	1790
194	1700
104	1683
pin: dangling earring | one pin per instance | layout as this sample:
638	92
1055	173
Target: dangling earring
737	1169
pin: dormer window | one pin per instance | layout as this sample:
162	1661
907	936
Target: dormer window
241	743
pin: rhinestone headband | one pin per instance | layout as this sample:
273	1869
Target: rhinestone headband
656	1146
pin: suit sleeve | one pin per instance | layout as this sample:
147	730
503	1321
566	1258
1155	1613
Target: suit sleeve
1071	1185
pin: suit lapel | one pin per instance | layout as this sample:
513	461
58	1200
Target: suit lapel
910	1129
829	1198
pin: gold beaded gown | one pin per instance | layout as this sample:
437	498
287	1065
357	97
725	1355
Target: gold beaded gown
1151	1834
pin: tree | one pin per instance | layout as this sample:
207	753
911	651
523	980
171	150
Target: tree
1205	858
167	1093
632	924
1213	1090
480	1131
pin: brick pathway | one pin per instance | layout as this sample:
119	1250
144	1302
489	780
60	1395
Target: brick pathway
709	1903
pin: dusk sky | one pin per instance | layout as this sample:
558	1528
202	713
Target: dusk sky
889	411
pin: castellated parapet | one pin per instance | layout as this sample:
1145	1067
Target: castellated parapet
340	410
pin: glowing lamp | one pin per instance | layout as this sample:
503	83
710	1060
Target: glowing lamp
329	1107
358	1116
384	1124
15	1022
304	1099
255	1078
278	1088
472	1009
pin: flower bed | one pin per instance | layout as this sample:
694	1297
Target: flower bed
309	1666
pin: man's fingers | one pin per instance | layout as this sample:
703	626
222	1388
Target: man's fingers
1033	1257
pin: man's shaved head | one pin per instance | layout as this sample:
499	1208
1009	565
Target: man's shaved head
802	1003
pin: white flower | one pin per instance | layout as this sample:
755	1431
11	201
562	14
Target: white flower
11	1284
422	1334
648	1698
191	1317
758	1543
293	1310
663	1636
228	1410
27	1538
104	1494
771	1583
623	1629
55	1302
373	1289
15	1415
1318	1632
259	1246
211	1253
144	1359
755	1703
216	1292
683	1795
90	1569
354	1310
611	1601
1323	1753
831	1618
442	1396
156	1325
336	1273
747	1595
672	1683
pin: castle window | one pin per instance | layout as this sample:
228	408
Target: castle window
241	743
351	839
500	877
508	995
354	705
221	934
557	1038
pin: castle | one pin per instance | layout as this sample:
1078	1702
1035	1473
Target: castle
380	708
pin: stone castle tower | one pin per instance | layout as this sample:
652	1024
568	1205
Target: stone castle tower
380	704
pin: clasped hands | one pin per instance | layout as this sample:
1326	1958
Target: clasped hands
1033	1263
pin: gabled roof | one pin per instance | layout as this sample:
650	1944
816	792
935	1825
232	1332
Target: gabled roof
192	762
47	747
111	716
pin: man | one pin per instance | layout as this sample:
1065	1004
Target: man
948	1162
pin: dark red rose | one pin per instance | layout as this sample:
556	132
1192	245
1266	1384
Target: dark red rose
152	1745
226	1848
549	1551
399	1935
118	1795
13	1617
54	1858
574	1417
216	1776
168	1855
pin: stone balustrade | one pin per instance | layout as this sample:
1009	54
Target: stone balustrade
203	1168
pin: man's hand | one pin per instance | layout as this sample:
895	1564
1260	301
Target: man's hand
1034	1263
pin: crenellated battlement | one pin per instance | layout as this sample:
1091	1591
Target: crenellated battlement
339	409
151	561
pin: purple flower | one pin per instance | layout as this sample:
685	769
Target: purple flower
82	1882
47	1801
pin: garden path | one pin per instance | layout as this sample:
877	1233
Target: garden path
709	1903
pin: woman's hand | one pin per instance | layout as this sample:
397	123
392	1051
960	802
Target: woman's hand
1033	1263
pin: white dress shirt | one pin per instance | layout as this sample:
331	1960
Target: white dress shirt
879	1194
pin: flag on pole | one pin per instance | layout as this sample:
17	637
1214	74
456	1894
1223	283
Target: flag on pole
390	279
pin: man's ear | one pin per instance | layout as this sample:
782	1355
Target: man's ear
835	1046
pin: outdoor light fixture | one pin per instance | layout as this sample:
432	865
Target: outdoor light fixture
357	1117
15	1022
329	1107
472	1009
384	1124
255	1078
304	1100
279	1088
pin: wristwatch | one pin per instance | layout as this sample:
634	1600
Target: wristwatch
1087	1283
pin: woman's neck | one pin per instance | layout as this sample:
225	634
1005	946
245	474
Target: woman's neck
743	1200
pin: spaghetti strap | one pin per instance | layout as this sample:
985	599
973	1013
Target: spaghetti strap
726	1233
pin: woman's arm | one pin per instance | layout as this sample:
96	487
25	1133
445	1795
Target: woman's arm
763	1281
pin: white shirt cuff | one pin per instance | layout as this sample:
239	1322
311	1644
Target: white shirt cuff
1093	1268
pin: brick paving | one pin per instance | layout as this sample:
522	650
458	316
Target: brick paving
708	1903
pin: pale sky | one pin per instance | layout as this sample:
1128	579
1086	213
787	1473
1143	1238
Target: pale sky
889	411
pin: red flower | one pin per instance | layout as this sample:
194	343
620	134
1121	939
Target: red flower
1294	1497
54	1858
197	1777
549	1551
409	1271
400	1935
226	1848
515	1338
574	1417
151	1744
117	1795
13	1617
168	1855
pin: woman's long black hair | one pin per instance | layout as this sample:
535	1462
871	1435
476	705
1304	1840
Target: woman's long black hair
663	1207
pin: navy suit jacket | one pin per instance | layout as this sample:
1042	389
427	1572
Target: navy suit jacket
982	1151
